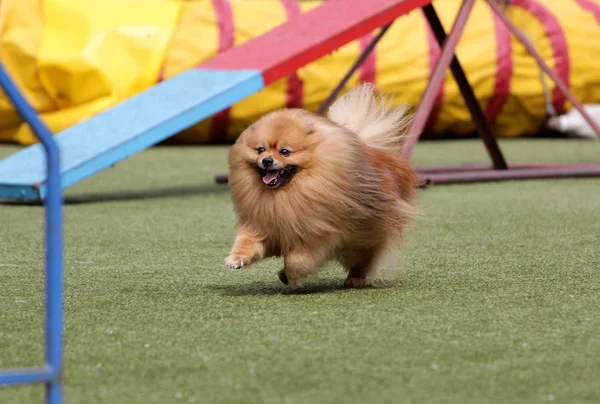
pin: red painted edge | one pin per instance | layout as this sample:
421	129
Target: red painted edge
434	55
369	67
224	14
396	8
557	41
593	8
504	70
161	74
284	49
295	86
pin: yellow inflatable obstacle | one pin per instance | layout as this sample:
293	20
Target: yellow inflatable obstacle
75	58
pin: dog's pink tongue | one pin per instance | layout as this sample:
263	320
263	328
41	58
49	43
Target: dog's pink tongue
269	176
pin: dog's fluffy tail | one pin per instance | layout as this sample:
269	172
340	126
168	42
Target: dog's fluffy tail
371	117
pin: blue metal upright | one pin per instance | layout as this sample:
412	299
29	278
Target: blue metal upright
51	372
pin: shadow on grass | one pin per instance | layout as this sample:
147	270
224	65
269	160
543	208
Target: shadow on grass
164	192
269	289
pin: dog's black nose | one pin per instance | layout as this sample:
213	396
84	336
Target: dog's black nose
267	162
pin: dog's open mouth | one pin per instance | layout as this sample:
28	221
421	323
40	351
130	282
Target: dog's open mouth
277	178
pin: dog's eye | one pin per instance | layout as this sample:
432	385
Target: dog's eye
284	152
260	150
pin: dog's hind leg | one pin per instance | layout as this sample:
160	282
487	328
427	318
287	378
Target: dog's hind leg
360	263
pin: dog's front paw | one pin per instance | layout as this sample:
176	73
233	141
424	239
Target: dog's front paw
235	261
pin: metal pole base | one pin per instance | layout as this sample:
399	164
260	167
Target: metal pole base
472	173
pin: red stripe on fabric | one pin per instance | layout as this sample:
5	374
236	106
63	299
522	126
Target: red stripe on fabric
368	68
295	86
434	54
558	42
504	70
220	121
593	8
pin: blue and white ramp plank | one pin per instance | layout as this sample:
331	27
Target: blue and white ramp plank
127	128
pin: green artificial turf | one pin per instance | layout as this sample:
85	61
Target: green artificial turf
498	301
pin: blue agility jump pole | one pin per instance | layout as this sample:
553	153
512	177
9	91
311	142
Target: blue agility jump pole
51	372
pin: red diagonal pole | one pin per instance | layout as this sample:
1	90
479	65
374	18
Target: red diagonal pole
445	59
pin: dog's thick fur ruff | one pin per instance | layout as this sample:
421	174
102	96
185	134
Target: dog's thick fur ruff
335	189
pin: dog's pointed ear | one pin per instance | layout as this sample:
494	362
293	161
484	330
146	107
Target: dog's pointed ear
311	128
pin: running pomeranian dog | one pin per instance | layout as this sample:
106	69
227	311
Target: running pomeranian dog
315	189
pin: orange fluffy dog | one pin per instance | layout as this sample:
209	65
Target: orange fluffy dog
315	189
